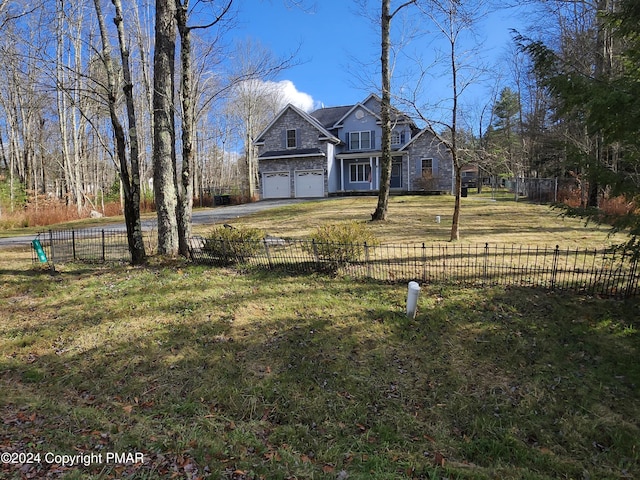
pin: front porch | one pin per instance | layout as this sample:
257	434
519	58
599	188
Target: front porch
356	174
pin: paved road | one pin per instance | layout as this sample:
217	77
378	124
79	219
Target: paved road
200	217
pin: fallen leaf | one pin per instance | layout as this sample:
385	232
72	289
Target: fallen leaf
438	459
328	468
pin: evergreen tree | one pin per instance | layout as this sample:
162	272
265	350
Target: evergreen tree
609	108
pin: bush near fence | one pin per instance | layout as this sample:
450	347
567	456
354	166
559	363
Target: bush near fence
595	272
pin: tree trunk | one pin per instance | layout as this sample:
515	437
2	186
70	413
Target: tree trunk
380	212
185	197
132	190
455	220
164	184
385	162
457	166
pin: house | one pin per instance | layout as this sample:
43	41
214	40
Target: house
337	150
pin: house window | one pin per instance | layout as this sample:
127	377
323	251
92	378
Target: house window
395	138
360	141
360	172
291	139
427	167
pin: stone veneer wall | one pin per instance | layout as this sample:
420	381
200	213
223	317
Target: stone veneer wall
274	140
427	146
308	135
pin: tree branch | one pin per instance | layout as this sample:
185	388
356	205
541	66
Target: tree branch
218	18
406	4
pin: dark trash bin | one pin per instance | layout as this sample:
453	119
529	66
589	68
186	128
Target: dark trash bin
465	191
224	199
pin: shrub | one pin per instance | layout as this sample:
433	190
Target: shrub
233	244
341	242
13	197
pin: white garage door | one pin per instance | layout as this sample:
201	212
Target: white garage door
276	185
310	183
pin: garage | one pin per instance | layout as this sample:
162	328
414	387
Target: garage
310	183
276	185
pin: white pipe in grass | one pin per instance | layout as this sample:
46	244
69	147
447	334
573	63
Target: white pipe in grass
413	293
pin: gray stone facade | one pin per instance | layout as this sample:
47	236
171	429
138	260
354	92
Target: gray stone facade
427	146
307	136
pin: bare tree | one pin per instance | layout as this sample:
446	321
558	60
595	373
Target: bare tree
380	212
452	19
70	84
185	184
130	177
164	154
254	99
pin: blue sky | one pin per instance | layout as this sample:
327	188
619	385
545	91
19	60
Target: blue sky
331	37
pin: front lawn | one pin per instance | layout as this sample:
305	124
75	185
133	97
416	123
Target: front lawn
412	219
215	373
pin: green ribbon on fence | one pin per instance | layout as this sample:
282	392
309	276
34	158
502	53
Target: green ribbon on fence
37	246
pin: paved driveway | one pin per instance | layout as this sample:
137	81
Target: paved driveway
200	217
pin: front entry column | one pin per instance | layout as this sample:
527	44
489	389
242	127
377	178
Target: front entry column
372	173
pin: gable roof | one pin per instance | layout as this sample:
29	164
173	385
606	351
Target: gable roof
353	108
311	120
329	116
397	115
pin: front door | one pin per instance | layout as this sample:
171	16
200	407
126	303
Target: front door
396	175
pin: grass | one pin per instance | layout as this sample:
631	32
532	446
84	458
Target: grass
224	374
214	373
412	219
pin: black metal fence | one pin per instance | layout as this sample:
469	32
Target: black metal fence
87	245
610	273
590	271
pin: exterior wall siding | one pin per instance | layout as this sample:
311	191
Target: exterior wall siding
365	124
427	146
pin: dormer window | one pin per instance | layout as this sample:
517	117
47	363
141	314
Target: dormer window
292	141
360	141
398	137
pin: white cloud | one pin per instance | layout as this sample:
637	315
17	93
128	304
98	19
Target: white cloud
290	94
278	94
283	92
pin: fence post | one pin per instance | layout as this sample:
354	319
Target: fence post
73	243
367	260
632	278
315	252
485	266
266	249
104	247
424	263
554	268
53	254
